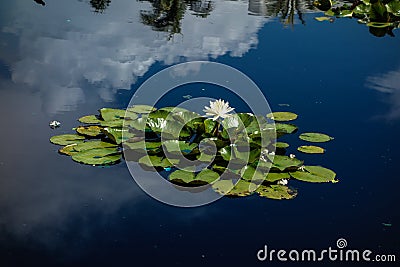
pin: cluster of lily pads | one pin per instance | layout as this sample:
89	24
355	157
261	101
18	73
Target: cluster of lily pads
237	156
382	16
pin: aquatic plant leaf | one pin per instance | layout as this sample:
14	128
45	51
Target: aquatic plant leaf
178	147
285	128
142	109
362	9
276	176
67	139
110	114
142	145
223	186
118	135
93	145
394	7
89	119
276	192
314	174
181	176
282	116
157	161
281	145
68	150
284	162
242	188
249	173
239	154
207	176
345	14
315	137
188	118
174	109
118	123
91	131
323	18
311	149
379	24
98	156
138	124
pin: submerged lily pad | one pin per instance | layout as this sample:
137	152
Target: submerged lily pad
311	149
282	116
99	156
276	192
91	131
67	139
315	137
89	119
315	174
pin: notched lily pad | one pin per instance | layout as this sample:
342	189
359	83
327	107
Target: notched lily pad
315	137
67	139
99	156
68	150
282	116
311	149
315	174
284	162
242	188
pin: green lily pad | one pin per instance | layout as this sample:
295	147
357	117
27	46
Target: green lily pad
315	174
91	131
118	123
239	155
181	176
178	147
379	24
323	18
223	186
207	176
99	156
285	128
276	176
68	150
118	135
67	139
142	109
311	149
142	145
93	145
110	114
276	192
89	119
242	188
284	162
281	145
282	116
249	173
157	161
315	137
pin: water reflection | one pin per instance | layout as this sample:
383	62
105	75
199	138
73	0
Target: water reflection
388	83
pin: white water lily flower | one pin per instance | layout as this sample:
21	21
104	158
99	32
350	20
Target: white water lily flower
283	182
271	153
292	156
302	168
218	108
54	124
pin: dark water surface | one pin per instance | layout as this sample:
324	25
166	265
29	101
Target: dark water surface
63	60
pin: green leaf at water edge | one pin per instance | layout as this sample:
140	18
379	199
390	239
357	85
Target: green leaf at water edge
99	156
276	192
68	150
91	131
142	109
223	186
109	114
182	176
315	137
284	162
315	174
311	149
379	24
67	139
118	135
89	119
282	116
276	176
93	145
207	176
242	188
285	128
249	173
281	145
158	161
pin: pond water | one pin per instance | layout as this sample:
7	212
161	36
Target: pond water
67	59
